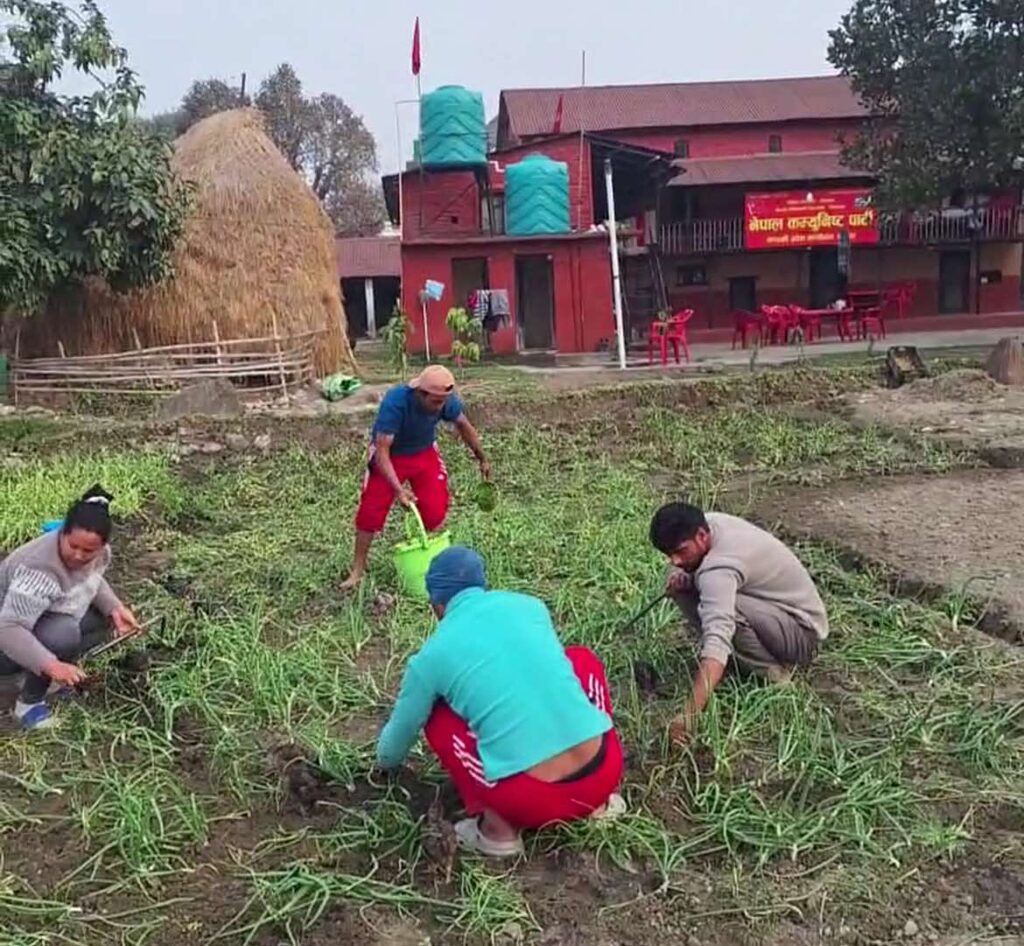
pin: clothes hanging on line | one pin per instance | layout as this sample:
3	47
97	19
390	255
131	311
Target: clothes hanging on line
479	303
491	307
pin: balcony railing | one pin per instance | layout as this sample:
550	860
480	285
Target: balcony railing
952	226
702	236
725	235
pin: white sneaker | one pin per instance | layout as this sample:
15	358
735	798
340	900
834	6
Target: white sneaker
614	808
33	715
473	839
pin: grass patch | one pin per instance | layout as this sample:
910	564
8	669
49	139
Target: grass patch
886	756
37	488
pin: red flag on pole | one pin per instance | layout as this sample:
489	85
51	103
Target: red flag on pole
557	127
416	48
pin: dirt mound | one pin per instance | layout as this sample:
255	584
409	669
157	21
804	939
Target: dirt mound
1006	363
909	518
969	385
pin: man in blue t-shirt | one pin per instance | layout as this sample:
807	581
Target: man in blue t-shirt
403	450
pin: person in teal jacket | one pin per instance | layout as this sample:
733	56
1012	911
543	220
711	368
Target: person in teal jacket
522	725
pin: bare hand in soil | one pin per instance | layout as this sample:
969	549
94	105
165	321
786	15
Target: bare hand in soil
124	621
679	732
67	675
679	582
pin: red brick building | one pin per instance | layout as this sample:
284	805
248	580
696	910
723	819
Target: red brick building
686	159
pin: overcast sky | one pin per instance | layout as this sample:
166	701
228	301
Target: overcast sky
361	50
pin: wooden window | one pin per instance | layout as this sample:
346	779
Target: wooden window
692	274
682	148
775	144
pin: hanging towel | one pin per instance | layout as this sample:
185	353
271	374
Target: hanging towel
499	305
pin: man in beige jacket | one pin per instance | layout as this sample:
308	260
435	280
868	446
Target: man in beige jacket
745	594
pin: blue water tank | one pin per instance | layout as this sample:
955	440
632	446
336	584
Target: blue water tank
537	196
453	130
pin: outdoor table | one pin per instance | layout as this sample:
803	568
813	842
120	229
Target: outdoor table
842	318
864	298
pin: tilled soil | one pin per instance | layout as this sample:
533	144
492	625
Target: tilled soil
933	532
966	407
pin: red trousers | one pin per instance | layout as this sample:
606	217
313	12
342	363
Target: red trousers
523	800
424	472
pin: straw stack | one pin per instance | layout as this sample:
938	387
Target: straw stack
257	260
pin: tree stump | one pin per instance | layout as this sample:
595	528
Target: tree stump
1006	363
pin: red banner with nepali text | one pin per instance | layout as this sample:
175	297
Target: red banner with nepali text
797	219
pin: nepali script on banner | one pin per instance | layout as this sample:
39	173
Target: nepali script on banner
809	218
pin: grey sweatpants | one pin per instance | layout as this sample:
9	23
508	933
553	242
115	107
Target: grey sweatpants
65	638
767	636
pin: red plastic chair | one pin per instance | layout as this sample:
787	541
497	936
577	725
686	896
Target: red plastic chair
779	321
870	324
897	298
743	322
671	332
809	322
844	328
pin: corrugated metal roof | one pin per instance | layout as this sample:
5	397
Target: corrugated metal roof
368	256
531	112
763	169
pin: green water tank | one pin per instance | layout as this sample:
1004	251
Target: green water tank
453	130
537	196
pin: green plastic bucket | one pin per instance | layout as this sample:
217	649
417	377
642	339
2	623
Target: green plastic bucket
414	555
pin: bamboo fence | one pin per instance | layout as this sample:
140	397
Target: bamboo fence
273	363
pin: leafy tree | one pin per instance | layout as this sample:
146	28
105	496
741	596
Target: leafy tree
288	115
339	155
944	82
84	190
164	124
205	98
321	137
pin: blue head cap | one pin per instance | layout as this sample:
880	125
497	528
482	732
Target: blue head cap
454	570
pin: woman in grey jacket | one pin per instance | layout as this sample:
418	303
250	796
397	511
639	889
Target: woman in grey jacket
55	602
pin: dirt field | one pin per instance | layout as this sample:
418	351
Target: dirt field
960	532
965	407
223	791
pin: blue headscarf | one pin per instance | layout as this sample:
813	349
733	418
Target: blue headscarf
454	570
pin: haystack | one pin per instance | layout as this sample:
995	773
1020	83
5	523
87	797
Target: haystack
258	249
1006	363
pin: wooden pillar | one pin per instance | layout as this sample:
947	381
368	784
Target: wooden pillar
371	314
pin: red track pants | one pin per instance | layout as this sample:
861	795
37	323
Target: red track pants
424	472
523	800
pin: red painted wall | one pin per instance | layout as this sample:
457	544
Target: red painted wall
582	289
439	204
